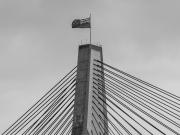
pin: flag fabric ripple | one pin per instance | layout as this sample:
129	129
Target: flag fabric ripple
81	23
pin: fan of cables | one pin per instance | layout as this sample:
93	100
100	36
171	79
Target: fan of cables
52	114
133	106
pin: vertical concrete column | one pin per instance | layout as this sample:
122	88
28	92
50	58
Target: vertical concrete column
82	118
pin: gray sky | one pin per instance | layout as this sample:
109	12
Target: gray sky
38	45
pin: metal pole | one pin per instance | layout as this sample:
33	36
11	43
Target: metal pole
90	28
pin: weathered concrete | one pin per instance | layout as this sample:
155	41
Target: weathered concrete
82	120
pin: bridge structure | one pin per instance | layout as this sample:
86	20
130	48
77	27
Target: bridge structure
95	98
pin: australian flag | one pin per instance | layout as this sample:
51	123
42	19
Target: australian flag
81	23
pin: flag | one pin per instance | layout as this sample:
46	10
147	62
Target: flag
81	23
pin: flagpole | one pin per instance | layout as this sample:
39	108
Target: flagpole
90	28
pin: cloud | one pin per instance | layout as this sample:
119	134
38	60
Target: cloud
38	46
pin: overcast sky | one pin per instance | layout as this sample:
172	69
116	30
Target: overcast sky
38	46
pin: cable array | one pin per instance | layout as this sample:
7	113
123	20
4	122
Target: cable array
133	106
52	114
122	104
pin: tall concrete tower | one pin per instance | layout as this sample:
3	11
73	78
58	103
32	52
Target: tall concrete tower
86	120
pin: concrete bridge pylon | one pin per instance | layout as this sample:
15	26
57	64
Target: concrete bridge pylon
84	122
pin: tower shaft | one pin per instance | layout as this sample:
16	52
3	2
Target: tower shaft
85	120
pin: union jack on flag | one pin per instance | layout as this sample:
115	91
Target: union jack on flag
81	23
